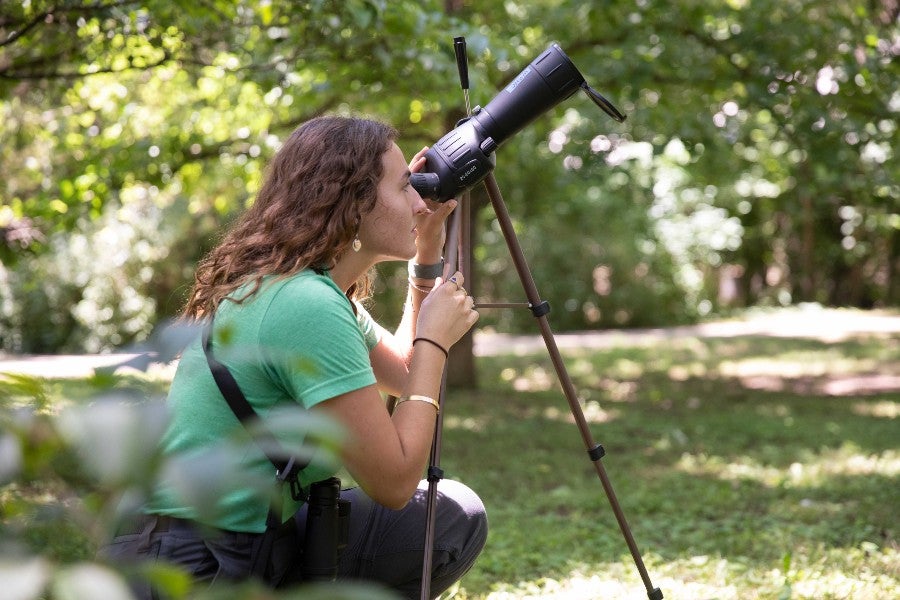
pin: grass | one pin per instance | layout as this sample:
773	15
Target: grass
748	468
739	475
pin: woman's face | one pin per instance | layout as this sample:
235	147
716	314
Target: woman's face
389	231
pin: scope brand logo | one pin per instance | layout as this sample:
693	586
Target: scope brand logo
515	82
467	173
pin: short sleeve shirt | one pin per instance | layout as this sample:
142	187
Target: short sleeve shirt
295	343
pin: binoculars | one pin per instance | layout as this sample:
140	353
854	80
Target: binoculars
327	530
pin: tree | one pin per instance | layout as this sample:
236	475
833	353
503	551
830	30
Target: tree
180	139
755	165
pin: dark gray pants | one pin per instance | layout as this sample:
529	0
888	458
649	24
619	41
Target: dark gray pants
385	546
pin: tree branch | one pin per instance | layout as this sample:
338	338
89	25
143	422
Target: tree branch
18	76
42	17
15	35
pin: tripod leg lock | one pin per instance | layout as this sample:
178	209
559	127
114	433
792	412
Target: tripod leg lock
656	594
435	474
539	310
597	452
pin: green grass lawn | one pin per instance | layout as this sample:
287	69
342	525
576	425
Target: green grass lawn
747	467
739	475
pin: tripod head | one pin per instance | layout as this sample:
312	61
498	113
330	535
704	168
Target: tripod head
465	155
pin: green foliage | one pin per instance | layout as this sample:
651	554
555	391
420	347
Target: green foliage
755	167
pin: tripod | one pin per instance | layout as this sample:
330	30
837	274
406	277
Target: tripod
539	309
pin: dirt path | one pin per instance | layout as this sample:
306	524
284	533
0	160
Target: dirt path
828	325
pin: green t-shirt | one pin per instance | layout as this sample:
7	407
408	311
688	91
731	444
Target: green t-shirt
297	341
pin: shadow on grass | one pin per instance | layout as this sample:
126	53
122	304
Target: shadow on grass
703	464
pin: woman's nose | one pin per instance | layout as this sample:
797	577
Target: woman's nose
419	206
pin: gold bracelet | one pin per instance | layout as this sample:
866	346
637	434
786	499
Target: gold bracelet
419	398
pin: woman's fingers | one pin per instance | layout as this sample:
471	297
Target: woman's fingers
418	160
448	311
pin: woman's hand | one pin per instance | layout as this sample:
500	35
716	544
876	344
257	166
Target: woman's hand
447	313
418	161
430	230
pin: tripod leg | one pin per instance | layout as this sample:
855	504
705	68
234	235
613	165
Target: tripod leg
540	309
435	474
453	252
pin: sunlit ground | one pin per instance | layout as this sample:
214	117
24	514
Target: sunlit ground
709	578
812	472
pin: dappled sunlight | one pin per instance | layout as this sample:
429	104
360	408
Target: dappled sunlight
593	413
703	577
791	368
744	469
533	379
466	423
885	409
844	461
619	391
619	382
584	370
574	587
626	369
874	383
835	386
687	371
798	369
834	583
828	375
620	581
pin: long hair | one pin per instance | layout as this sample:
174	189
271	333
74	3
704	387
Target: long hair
316	189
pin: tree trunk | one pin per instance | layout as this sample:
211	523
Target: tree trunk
461	368
808	278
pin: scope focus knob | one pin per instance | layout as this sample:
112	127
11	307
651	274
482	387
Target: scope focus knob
488	146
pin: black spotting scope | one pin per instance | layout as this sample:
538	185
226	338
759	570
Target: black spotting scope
465	155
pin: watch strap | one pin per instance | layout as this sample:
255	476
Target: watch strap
426	271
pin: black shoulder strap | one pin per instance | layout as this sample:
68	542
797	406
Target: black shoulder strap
286	465
225	380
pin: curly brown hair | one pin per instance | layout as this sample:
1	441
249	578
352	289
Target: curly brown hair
316	189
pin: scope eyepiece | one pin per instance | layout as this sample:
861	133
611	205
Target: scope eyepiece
427	184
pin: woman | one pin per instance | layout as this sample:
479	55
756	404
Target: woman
285	286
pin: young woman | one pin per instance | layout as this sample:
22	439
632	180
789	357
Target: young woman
285	286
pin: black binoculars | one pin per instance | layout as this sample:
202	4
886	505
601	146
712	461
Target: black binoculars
327	530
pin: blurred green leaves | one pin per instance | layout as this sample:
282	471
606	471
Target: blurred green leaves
72	466
115	440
